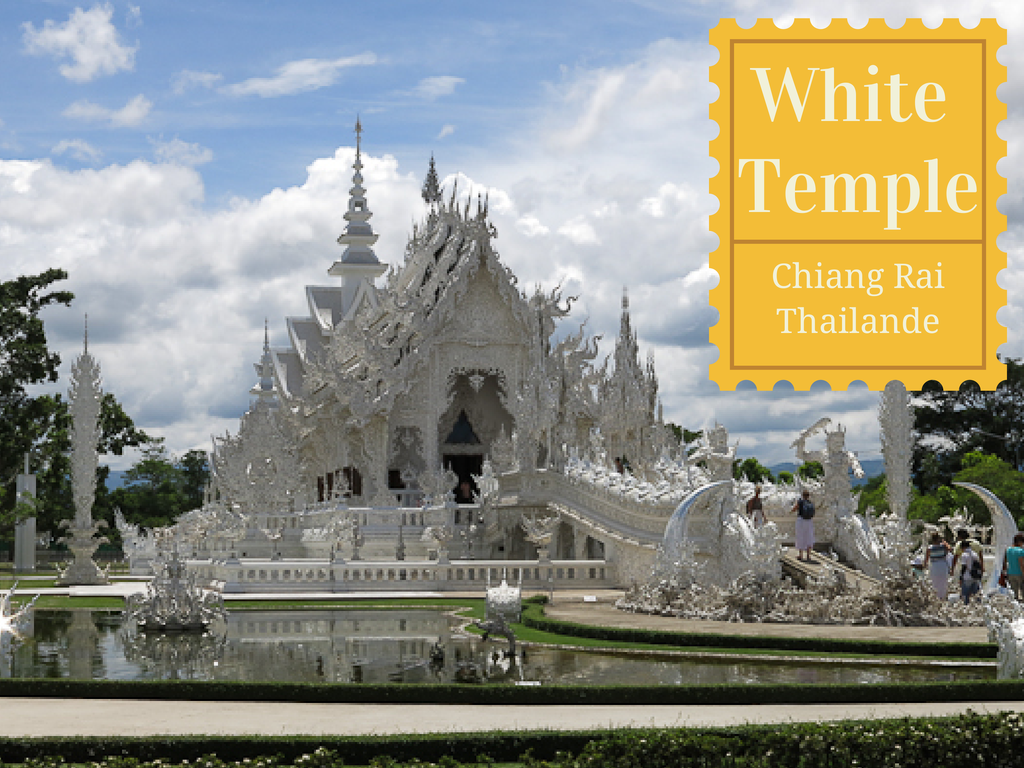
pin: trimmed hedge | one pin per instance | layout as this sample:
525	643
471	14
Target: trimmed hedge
970	739
268	751
208	690
533	616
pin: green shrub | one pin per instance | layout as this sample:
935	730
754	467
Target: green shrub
993	741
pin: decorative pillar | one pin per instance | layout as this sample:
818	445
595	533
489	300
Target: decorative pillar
25	528
375	444
579	543
85	396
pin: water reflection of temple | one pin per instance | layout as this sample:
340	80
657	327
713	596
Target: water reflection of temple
349	646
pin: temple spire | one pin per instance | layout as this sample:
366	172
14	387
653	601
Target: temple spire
431	186
358	263
625	327
85	342
359	136
264	388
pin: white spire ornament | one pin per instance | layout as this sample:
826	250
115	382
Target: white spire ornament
358	265
84	399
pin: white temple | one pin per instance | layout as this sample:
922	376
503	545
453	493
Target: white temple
419	418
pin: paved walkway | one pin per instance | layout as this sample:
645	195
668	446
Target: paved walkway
103	717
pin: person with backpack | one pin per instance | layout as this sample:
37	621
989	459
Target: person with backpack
972	571
962	537
804	509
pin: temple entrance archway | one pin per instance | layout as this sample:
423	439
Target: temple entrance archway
475	415
465	466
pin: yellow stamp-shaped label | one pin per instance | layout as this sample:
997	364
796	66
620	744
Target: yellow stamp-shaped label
857	191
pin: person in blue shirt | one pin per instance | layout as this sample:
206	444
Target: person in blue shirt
1012	563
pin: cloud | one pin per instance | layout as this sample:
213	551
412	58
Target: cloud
448	130
531	226
173	290
434	87
88	38
299	76
180	152
129	116
188	79
133	18
597	98
579	231
78	149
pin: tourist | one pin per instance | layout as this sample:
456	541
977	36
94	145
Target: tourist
804	509
972	571
937	562
618	466
1012	565
755	508
962	537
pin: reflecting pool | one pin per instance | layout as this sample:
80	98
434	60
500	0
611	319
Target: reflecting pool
382	646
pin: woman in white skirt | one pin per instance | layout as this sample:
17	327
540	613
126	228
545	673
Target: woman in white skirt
937	563
804	509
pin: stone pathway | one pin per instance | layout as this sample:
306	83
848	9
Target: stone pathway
107	717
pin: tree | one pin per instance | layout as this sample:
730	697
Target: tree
952	424
42	423
753	470
996	475
810	470
157	488
683	435
872	494
195	469
24	360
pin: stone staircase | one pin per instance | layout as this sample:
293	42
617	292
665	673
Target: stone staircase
801	572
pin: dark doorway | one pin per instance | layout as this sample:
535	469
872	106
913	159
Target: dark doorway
465	467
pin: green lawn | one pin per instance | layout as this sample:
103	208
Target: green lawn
6	582
61	602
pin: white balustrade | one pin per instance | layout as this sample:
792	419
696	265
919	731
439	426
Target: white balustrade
282	576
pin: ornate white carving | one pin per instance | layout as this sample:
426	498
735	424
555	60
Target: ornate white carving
258	470
896	423
85	397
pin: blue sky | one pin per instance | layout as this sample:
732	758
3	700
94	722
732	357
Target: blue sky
410	69
188	164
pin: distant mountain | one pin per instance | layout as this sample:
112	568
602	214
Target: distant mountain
115	479
871	467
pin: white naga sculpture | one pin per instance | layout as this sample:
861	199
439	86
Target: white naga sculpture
85	397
